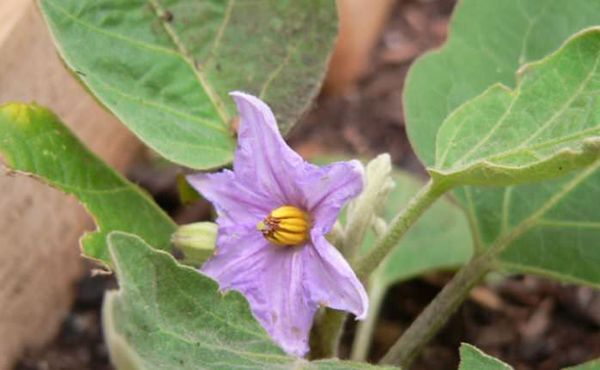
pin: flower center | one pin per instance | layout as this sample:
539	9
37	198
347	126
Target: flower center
286	225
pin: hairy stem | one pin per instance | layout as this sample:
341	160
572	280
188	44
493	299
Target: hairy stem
438	312
364	330
399	226
327	329
325	334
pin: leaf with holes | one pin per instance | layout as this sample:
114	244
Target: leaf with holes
549	125
165	67
33	141
169	316
472	358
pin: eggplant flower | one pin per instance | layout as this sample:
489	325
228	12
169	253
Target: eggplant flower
274	210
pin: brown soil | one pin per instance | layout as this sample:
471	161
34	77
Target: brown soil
529	322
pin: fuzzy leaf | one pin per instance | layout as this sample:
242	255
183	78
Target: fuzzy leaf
488	41
548	126
472	358
33	141
165	67
550	228
169	316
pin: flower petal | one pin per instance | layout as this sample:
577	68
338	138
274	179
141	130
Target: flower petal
328	190
270	278
235	203
330	281
237	257
263	158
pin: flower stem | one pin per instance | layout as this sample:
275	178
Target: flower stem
364	329
400	225
325	334
326	331
437	313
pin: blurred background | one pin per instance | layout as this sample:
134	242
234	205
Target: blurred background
50	298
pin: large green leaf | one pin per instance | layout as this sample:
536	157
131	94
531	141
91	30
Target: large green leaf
33	141
547	126
169	316
164	67
472	358
488	41
550	228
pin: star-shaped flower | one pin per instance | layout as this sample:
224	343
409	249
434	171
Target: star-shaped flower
274	210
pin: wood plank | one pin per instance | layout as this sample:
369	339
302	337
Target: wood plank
40	227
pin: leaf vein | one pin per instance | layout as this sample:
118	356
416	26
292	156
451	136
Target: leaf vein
187	56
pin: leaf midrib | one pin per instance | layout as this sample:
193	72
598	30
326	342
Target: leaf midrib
156	48
530	222
189	59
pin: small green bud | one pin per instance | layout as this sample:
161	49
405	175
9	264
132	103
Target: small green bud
196	241
364	209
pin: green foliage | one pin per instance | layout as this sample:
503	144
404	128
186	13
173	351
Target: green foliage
165	67
549	228
547	127
488	41
33	141
169	316
471	358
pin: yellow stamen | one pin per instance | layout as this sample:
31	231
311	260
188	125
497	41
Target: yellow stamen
286	226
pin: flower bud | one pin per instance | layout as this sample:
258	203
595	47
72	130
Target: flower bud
196	241
363	210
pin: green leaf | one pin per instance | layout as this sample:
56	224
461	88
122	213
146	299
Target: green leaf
591	365
548	126
550	228
33	141
472	358
169	316
165	67
488	41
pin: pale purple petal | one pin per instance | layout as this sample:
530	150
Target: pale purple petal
235	203
271	278
284	285
328	190
238	257
263	159
330	281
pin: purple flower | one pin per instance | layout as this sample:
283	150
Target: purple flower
274	212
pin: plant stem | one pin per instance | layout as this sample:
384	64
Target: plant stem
364	330
325	334
326	331
405	219
438	312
